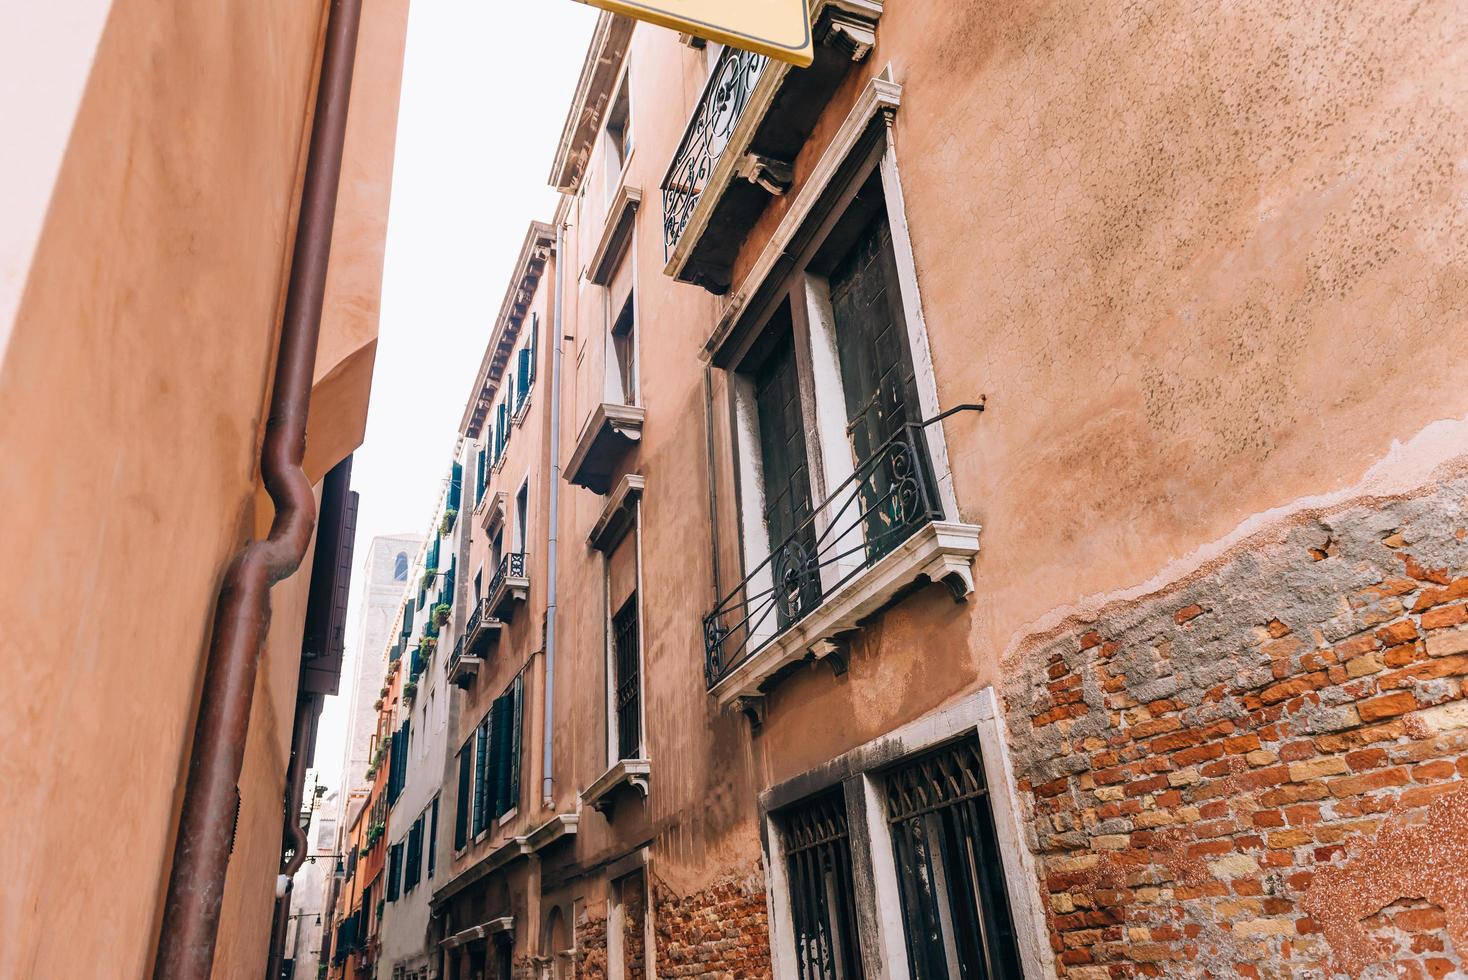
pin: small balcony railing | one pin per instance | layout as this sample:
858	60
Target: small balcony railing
713	122
508	586
889	497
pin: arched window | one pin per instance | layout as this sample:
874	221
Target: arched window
400	567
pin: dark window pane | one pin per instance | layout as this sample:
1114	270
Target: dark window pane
817	855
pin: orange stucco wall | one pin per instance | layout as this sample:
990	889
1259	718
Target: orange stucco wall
132	392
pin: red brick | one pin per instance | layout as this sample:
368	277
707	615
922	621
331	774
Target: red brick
1363	759
1355	785
1387	707
1458	589
1187	613
1444	616
1295	751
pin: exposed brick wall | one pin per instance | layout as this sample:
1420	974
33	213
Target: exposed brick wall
1262	774
634	927
591	947
720	932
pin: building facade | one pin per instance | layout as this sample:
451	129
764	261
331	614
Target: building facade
151	205
386	572
990	504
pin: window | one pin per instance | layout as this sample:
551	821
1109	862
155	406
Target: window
522	515
955	912
394	871
627	685
413	862
817	854
397	775
618	140
840	470
497	758
400	567
624	353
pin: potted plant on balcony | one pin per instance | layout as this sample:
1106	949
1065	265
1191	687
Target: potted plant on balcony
374	834
377	705
447	524
410	691
371	773
384	692
427	645
429	574
441	613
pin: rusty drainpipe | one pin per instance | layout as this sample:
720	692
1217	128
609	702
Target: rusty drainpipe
190	924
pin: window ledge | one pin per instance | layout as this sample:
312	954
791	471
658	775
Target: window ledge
621	215
618	515
558	827
504	924
602	793
611	432
941	551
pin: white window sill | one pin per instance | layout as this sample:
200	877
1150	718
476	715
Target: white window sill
602	793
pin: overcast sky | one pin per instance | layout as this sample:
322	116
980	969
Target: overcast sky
486	86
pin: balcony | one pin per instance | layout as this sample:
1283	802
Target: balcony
608	436
880	535
480	632
508	587
739	149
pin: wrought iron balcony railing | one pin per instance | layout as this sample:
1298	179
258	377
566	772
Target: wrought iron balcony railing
890	496
713	122
511	566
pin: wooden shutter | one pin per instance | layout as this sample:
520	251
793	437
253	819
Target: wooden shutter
534	344
433	838
394	871
456	487
466	791
516	726
324	639
481	762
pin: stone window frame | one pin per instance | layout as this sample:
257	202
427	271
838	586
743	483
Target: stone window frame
860	773
639	862
863	147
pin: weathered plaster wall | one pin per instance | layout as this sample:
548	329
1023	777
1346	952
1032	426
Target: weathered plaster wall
131	397
1204	261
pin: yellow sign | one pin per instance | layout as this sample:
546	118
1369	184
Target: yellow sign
778	28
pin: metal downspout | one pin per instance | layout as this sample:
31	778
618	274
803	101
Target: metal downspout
190	921
548	758
308	711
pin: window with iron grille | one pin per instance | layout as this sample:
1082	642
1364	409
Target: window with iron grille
950	873
817	852
628	680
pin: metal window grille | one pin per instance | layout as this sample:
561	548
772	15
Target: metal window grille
822	894
950	873
626	643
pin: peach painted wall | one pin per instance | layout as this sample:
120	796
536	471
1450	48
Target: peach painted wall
131	399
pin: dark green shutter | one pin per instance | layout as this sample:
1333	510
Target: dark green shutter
481	757
456	487
516	725
394	871
466	792
534	342
433	839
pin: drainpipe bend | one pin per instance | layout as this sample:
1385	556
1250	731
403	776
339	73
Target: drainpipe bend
190	922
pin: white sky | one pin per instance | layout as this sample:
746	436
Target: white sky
486	87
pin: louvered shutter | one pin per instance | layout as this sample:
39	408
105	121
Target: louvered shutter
483	468
516	726
433	838
481	758
394	871
465	801
456	487
534	343
522	375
